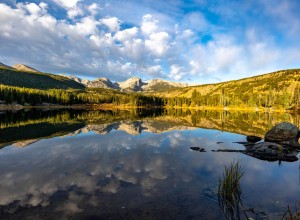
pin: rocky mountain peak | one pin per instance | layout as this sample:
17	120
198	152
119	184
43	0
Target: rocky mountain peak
101	83
135	80
23	67
85	82
103	79
159	85
133	83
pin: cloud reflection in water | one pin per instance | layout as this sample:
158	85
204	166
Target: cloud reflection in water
117	174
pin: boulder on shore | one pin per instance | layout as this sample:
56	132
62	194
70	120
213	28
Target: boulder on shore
284	133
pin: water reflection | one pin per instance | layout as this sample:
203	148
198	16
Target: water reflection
92	171
110	167
27	126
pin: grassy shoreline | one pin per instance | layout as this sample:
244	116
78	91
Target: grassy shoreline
76	106
246	109
108	106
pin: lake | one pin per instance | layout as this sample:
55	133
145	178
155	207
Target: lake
137	164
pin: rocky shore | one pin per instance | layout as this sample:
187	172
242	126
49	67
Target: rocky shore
279	144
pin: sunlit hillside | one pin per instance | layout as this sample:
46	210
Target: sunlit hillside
268	90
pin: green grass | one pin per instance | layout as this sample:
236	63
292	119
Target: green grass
230	184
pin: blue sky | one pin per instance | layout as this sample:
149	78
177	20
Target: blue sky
196	41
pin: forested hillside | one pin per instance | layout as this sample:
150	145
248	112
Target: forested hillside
279	89
28	96
36	80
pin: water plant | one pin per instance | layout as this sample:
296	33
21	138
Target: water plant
229	191
291	214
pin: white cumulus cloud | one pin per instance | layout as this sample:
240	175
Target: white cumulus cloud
112	23
149	24
127	34
158	43
99	40
66	3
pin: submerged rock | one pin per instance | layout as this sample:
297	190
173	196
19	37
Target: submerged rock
284	133
246	144
198	149
253	139
229	150
268	148
272	152
266	151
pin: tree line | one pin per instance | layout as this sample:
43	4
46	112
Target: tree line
269	99
33	97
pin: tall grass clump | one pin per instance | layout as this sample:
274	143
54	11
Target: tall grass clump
292	214
229	192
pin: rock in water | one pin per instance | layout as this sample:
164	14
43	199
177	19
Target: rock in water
198	149
284	133
269	148
272	152
253	139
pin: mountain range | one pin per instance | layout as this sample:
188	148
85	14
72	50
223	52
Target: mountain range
280	88
133	84
133	128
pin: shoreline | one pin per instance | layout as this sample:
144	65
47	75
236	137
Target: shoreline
245	109
76	106
108	106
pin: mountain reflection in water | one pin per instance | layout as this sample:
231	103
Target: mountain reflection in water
134	164
26	125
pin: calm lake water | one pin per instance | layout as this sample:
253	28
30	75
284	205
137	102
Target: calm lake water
136	164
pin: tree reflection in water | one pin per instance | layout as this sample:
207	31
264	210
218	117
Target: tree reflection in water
25	125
